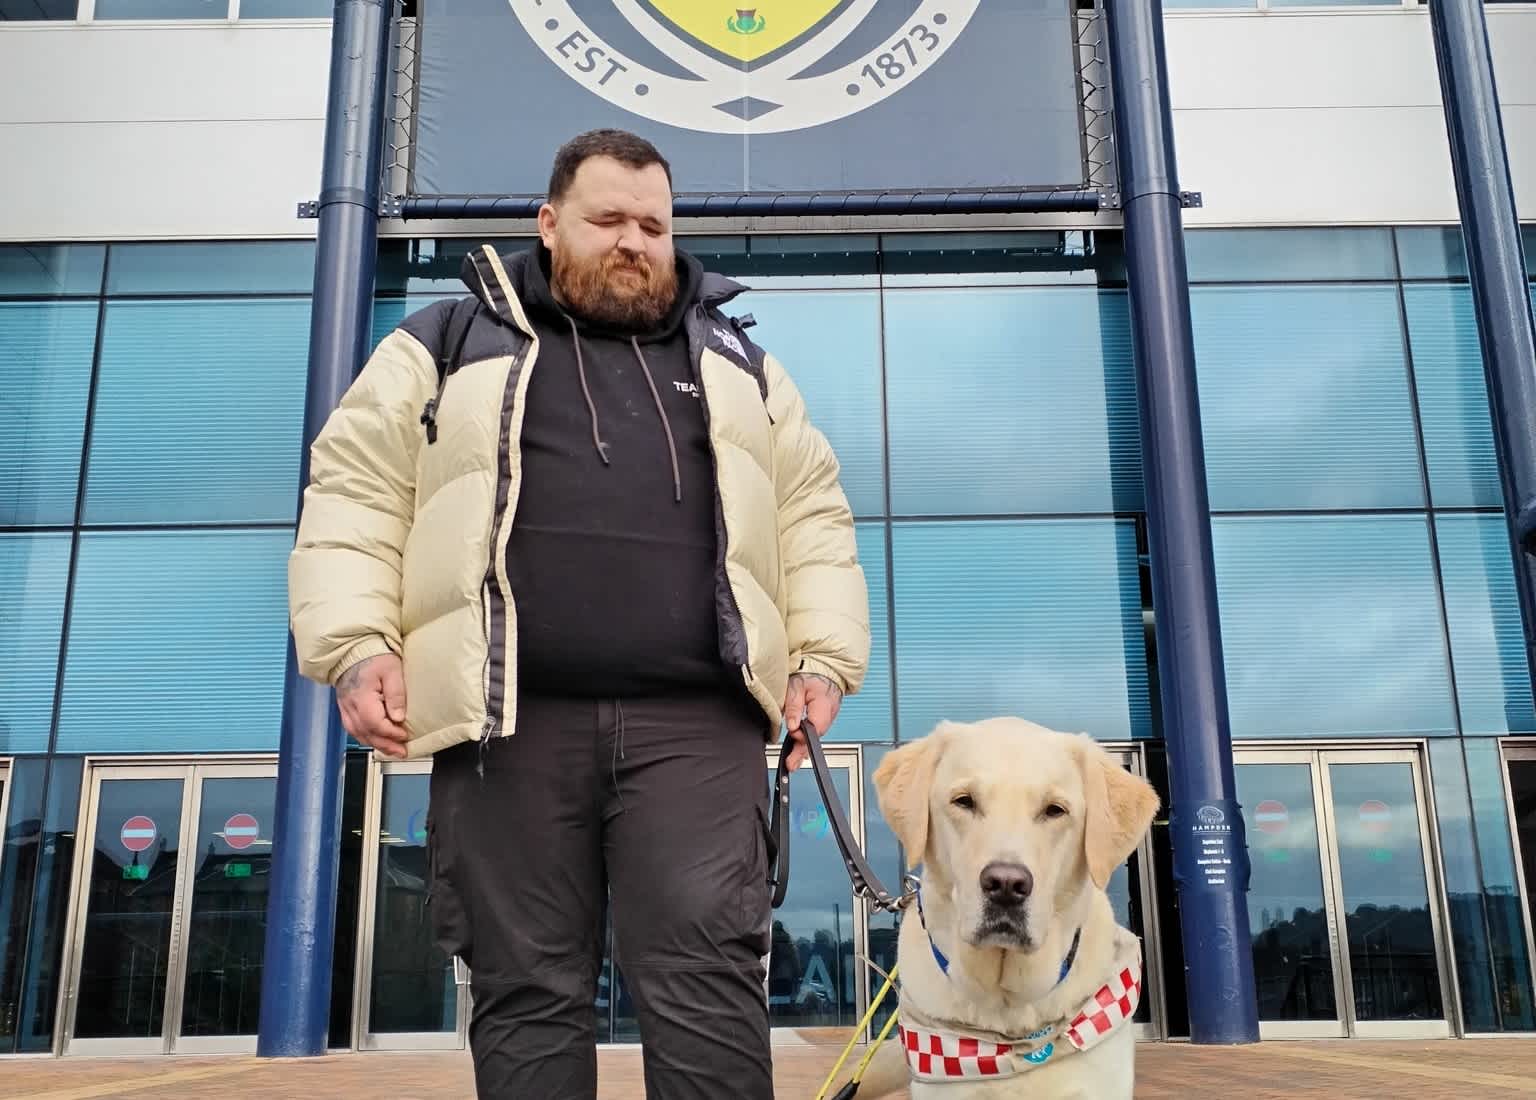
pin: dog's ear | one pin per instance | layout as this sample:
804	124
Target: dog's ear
902	783
1120	808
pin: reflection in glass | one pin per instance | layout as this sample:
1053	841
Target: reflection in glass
1040	618
47	356
1330	627
223	451
34	576
1392	953
1304	399
125	956
412	988
812	970
226	936
177	601
1292	945
1011	401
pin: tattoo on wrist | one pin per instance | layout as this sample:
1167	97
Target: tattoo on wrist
831	683
348	681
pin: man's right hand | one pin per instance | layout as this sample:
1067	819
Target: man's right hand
371	698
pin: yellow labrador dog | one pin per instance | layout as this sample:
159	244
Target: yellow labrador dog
1015	979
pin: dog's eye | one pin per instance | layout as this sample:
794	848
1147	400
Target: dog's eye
1055	810
964	801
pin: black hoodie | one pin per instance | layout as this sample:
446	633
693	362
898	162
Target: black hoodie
612	552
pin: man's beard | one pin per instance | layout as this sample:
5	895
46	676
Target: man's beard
598	289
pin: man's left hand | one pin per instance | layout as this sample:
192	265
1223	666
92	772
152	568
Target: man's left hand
812	696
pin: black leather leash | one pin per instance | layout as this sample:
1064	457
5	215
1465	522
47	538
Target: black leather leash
866	884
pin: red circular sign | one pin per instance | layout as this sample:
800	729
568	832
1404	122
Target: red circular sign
1375	816
1271	816
241	831
137	833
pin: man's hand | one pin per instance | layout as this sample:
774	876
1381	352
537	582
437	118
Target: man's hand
812	696
371	698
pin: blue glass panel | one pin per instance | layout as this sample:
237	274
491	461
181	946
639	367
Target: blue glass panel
1438	252
1040	619
51	269
1493	681
1463	884
45	372
177	642
34	574
867	715
285	9
199	412
162	9
1513	993
1304	398
389	312
1011	401
1289	255
1453	398
225	267
829	343
1331	627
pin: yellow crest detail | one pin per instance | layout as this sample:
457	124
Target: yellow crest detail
743	30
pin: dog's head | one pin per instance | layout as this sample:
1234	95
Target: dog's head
1012	822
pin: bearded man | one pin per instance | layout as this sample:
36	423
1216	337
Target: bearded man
575	538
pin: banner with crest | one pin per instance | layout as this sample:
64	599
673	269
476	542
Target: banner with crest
781	96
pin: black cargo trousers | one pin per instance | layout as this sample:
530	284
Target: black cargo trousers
655	806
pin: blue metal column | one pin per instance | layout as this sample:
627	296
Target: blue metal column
1210	857
1496	264
301	908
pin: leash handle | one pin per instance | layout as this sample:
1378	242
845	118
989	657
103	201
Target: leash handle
866	884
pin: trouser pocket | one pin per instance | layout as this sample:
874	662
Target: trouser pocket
445	903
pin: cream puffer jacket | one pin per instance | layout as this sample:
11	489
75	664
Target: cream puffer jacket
401	546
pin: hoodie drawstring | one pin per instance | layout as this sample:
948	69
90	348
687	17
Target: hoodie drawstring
581	371
666	425
661	411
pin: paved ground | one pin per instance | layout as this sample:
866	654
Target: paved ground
1482	1069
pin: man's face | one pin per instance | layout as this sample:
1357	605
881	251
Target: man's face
610	237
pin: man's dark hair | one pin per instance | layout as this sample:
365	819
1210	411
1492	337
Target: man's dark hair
621	145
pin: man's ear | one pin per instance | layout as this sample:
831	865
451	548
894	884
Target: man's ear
548	216
1120	808
902	784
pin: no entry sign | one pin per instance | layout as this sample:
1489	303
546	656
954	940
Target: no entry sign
137	833
1271	816
241	831
1375	816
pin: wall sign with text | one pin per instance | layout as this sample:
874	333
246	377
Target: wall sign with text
780	95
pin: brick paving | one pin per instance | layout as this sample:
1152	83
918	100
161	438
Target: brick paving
1487	1069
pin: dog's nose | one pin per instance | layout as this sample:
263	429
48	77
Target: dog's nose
1006	884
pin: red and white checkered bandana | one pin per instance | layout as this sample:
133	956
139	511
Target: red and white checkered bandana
935	1055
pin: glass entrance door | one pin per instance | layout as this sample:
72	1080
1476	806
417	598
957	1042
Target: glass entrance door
168	921
1344	904
814	976
1520	760
1130	892
410	996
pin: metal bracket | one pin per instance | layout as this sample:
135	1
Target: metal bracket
309	208
391	206
1191	198
1109	200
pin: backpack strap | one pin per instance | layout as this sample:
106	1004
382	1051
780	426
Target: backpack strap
460	319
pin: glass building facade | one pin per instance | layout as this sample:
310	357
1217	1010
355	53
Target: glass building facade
979	392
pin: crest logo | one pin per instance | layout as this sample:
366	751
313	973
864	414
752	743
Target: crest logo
751	70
